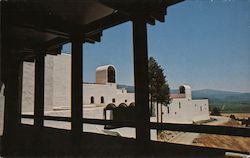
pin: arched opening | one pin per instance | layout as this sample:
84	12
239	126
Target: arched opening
122	105
182	90
111	74
92	100
102	99
132	104
108	114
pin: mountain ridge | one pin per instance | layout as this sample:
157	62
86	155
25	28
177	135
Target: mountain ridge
228	101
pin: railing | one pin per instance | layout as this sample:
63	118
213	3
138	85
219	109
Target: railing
208	129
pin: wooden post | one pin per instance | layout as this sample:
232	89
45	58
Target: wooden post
141	78
76	85
39	90
13	67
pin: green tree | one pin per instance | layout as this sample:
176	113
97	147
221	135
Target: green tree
215	111
158	87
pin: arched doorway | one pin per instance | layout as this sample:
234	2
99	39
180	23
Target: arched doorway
111	74
182	90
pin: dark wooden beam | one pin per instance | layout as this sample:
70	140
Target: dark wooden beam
150	20
222	130
160	14
39	89
76	84
105	23
55	43
141	78
92	38
208	129
12	78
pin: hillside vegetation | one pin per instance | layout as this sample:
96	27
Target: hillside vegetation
226	101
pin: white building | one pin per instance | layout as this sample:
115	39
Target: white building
96	96
105	91
183	109
58	85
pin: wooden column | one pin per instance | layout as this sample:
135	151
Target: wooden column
39	90
12	78
141	78
76	84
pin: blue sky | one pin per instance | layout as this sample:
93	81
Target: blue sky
203	43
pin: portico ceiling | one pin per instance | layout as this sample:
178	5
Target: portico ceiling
48	24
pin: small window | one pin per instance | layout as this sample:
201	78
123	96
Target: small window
102	99
126	101
175	113
168	109
195	105
92	100
113	100
179	105
200	108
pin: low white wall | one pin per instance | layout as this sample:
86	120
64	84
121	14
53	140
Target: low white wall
184	110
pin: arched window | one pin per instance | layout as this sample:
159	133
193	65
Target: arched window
200	108
102	99
111	74
179	105
168	109
92	100
182	90
126	101
113	100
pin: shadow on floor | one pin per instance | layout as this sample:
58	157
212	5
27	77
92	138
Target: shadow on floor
58	142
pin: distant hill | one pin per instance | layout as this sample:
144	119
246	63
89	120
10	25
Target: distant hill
221	95
130	89
227	101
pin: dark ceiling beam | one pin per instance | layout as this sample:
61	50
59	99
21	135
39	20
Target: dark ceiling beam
105	23
150	20
44	30
54	43
94	37
172	2
160	15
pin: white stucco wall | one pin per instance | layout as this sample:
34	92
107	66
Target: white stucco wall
183	110
58	93
61	80
28	85
201	109
108	91
58	86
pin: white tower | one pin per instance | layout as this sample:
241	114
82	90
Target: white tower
105	74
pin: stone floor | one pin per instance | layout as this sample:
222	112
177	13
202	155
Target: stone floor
88	112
